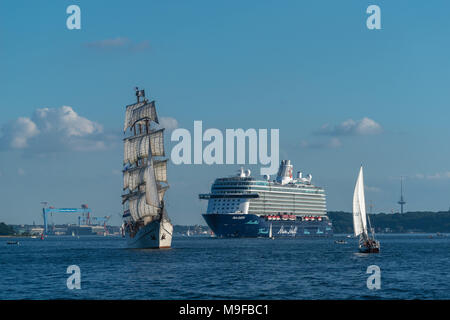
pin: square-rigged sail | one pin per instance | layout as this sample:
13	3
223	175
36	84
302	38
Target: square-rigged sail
138	112
144	176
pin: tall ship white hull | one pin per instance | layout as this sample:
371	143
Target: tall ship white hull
154	235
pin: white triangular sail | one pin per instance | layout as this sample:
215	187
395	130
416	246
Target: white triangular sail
162	191
359	206
151	190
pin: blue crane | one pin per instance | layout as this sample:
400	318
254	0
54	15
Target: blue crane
84	211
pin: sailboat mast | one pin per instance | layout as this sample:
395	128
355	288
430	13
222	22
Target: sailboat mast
370	226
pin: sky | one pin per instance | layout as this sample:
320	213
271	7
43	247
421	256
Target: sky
340	94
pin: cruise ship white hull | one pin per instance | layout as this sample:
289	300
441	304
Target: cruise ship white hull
154	235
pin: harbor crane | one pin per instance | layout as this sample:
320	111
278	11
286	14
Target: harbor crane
85	217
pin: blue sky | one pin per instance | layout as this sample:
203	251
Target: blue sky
340	94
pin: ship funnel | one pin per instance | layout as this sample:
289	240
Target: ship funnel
285	172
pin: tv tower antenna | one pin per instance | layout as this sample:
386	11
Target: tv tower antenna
402	201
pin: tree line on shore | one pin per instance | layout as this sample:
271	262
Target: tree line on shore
427	222
6	230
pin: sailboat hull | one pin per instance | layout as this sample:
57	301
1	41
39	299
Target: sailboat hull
372	248
369	250
154	235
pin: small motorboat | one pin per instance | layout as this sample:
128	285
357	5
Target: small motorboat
12	242
340	241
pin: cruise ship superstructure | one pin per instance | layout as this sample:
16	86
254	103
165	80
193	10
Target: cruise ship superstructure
243	206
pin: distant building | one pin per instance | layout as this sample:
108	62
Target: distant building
36	231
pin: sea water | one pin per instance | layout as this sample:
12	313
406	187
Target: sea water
411	267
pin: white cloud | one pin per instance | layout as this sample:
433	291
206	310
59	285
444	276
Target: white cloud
332	143
53	129
109	43
372	189
350	127
435	176
66	121
118	43
168	123
19	132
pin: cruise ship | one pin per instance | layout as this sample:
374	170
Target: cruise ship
243	206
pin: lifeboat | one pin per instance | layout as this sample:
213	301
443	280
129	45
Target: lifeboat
292	217
278	218
285	217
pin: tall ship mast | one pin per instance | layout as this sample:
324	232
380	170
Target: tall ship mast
288	206
145	220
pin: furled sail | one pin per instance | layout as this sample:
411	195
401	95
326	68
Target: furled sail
359	206
138	112
137	147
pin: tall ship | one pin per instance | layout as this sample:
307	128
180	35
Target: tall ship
145	220
243	206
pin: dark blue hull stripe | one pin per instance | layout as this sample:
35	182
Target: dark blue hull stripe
252	226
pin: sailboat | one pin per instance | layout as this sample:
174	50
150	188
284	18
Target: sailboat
146	223
367	244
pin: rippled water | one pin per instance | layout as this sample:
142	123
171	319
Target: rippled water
412	267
